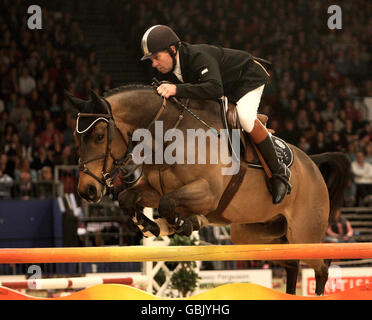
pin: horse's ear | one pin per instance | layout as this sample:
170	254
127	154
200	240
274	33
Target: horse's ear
76	102
98	102
95	97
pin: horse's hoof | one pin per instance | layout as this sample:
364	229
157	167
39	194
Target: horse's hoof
184	227
167	209
151	227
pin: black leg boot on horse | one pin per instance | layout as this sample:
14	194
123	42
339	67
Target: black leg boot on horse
280	174
167	210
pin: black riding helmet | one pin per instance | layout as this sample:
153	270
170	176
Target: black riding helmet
158	38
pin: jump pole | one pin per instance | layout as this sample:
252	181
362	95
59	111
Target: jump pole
72	282
188	253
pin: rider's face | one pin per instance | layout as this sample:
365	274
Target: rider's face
162	61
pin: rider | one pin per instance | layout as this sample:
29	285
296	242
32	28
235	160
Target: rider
204	71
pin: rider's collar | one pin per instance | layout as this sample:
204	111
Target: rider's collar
177	69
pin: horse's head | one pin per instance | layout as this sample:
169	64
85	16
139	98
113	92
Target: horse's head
95	135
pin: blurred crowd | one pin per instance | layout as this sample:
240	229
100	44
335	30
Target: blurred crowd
314	99
36	123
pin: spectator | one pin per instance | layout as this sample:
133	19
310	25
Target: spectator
351	112
25	167
21	110
22	125
3	162
342	64
36	103
319	144
330	112
340	230
24	188
70	123
14	146
27	137
316	122
46	187
336	144
67	157
304	145
351	151
4	116
328	131
10	83
51	135
368	152
350	89
302	121
55	108
349	133
26	82
41	159
367	89
332	75
289	134
339	122
46	174
106	83
6	184
362	172
293	109
2	106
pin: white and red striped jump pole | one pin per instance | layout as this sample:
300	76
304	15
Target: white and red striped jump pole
72	283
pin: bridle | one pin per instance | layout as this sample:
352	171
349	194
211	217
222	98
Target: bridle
120	166
108	177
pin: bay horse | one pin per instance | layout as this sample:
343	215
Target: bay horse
193	192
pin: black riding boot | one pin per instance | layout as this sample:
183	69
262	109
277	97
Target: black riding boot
279	181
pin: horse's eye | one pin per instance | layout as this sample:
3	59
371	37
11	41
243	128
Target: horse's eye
99	137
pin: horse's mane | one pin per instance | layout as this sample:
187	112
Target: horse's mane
127	87
132	87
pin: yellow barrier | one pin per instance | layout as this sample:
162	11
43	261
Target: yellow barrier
189	253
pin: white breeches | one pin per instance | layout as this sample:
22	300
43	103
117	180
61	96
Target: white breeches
247	107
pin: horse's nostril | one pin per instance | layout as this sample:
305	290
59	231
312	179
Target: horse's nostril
91	191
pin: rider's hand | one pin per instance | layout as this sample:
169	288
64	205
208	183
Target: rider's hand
167	90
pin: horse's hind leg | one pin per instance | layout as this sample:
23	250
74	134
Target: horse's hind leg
291	267
321	274
272	232
305	234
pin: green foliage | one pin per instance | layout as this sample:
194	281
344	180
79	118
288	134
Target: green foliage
185	279
177	240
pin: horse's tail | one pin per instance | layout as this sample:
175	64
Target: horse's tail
336	170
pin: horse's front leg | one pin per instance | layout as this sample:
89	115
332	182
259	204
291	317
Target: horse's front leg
194	200
128	204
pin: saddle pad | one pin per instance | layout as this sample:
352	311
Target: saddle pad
283	151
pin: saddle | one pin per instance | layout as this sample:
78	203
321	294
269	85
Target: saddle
251	156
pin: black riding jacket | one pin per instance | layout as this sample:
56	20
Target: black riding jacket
209	72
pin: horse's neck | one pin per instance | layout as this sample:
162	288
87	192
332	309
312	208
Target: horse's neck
135	110
138	109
